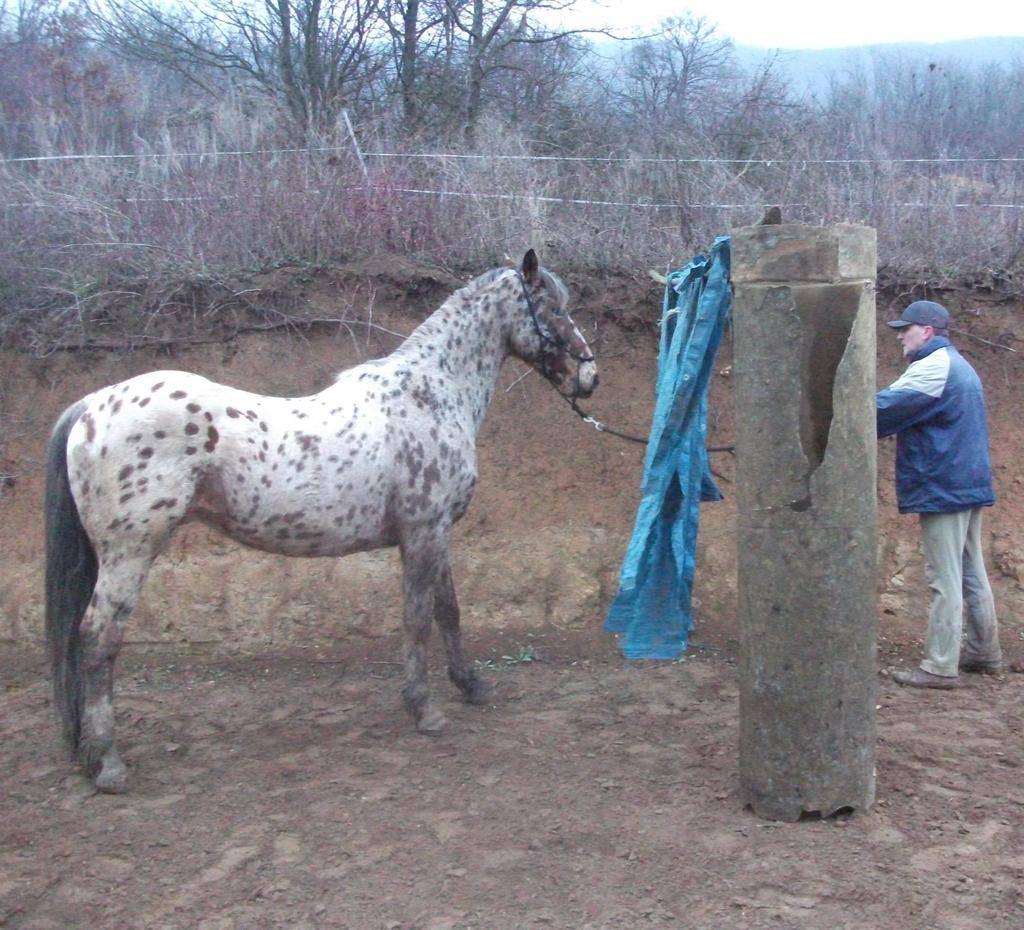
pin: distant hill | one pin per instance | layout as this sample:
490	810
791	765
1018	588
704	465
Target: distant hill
808	68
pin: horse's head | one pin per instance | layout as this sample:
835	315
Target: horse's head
546	336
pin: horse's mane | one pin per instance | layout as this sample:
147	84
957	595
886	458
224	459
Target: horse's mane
482	280
428	327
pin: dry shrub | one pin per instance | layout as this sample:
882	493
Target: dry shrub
83	236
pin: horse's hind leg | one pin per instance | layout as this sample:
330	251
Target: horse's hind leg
102	631
446	613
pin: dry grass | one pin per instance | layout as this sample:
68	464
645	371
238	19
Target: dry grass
157	233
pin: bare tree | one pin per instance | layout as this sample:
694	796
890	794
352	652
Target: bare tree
489	29
754	113
416	39
537	88
918	105
312	56
57	91
664	78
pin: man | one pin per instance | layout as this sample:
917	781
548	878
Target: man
937	411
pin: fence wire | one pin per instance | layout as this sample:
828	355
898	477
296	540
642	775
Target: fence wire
75	225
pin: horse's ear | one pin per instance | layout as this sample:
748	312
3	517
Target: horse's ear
508	260
530	267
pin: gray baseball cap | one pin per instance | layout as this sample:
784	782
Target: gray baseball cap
924	313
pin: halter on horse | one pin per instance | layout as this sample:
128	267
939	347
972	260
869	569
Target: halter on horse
385	456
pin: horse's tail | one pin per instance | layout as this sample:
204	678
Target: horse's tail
71	571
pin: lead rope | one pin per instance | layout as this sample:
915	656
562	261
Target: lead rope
604	428
597	424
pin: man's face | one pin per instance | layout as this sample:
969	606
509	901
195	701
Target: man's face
914	336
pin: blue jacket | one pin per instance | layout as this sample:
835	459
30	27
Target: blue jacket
937	411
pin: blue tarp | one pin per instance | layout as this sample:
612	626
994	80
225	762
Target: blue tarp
652	609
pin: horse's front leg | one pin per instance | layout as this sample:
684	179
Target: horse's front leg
422	561
446	613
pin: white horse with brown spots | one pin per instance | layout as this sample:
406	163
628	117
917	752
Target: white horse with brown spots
385	456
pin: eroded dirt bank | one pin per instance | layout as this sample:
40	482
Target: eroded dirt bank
544	538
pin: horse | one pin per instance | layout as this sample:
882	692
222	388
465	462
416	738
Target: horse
385	456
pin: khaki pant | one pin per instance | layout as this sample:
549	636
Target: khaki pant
955	568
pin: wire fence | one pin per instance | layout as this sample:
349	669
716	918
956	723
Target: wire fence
483	156
925	183
76	228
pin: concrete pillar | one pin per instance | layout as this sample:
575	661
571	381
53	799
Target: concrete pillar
804	318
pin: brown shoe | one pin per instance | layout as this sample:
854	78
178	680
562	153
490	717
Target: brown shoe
919	678
981	666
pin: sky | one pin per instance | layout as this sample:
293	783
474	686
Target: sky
819	23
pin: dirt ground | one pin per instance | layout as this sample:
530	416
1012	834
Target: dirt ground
288	791
277	783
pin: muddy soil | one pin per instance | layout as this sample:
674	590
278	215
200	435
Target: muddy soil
277	783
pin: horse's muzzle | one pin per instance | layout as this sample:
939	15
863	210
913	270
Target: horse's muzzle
586	379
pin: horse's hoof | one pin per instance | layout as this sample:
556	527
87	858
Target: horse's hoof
480	692
112	779
432	722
